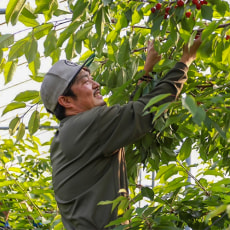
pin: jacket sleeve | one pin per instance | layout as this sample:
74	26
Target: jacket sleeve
122	125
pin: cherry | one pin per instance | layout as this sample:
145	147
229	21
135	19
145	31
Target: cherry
166	15
227	37
153	9
158	6
167	9
195	2
188	14
198	6
180	3
203	2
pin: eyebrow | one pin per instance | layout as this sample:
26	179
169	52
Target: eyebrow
79	78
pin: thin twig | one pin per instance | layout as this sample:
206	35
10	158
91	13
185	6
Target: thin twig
194	178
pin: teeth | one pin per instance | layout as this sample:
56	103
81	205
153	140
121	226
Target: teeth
96	93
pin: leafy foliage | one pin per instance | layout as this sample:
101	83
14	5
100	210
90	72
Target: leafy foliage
117	32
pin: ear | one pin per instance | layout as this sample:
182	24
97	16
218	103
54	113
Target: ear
65	101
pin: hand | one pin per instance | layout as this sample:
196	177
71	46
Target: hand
151	59
189	55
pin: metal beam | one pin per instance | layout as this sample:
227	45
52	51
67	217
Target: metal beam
41	127
2	11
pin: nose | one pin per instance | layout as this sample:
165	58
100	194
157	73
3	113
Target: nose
95	84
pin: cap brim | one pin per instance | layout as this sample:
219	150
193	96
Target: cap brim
87	63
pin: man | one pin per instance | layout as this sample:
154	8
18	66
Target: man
86	153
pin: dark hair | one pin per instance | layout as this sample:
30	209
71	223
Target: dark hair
59	111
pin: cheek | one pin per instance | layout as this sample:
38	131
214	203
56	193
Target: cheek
84	92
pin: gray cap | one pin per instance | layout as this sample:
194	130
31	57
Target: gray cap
57	79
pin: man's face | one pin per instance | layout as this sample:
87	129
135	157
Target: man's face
87	92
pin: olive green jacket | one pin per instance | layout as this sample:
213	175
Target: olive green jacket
88	160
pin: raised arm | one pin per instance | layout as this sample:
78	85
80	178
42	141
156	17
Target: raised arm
189	55
151	59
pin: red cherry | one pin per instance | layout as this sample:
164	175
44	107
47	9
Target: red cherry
167	9
153	9
195	2
158	6
188	14
166	15
205	2
202	2
227	37
198	6
180	3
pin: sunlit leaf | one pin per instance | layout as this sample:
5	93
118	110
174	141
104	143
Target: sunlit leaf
147	192
14	125
27	95
13	106
21	132
34	122
31	50
185	149
6	40
13	10
190	104
9	70
79	8
124	52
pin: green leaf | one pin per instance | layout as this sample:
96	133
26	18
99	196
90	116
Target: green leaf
220	131
14	125
34	67
185	149
99	23
207	12
67	32
13	106
136	17
111	37
124	52
121	22
199	116
21	132
190	104
6	40
28	18
31	50
163	169
6	183
70	49
147	192
155	30
206	49
14	169
13	10
41	31
42	5
18	49
209	30
222	7
160	110
34	122
27	95
83	33
156	99
9	70
79	8
216	212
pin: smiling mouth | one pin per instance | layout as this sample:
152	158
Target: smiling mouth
97	93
